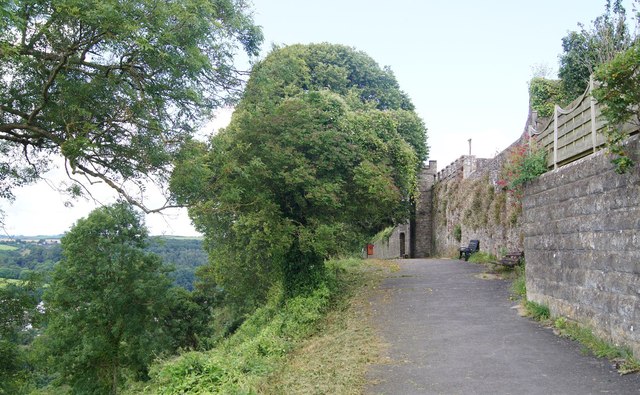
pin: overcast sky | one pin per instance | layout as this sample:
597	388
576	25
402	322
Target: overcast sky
465	64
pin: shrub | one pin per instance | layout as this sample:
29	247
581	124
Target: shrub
544	94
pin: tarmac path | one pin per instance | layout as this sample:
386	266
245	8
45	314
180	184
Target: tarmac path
452	332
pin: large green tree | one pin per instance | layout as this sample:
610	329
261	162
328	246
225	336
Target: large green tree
112	86
105	302
588	48
321	153
18	313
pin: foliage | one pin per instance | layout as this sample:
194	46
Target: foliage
183	255
336	358
537	311
18	311
262	345
583	51
525	162
619	92
21	258
186	319
104	302
112	86
545	94
383	235
482	257
321	154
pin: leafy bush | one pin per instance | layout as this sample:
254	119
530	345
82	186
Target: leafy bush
545	94
619	91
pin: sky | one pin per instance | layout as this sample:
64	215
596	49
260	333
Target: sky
465	64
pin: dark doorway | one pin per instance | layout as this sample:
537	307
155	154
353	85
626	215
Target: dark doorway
403	251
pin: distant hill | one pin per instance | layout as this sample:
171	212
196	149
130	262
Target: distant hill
21	254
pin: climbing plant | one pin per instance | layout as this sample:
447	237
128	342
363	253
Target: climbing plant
525	162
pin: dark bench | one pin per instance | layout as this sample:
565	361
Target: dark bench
474	246
512	258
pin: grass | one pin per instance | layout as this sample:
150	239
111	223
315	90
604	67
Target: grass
622	357
334	360
519	283
314	343
537	311
482	257
4	247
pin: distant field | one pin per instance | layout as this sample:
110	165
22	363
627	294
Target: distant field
181	237
4	247
7	281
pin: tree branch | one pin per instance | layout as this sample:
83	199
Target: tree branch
124	193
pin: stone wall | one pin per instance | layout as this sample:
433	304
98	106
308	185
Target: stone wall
582	245
474	203
396	246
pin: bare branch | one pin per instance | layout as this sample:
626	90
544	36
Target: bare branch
124	193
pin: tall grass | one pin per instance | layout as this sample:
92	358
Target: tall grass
519	284
261	347
482	257
622	356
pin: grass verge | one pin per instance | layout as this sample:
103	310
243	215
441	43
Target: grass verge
335	358
621	357
315	343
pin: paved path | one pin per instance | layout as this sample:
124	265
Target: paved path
451	332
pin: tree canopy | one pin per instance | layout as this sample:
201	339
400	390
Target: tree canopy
112	86
105	302
321	153
586	49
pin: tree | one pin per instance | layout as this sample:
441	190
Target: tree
583	51
105	302
322	152
619	92
112	86
18	312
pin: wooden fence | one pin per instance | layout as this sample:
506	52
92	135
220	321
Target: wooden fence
575	132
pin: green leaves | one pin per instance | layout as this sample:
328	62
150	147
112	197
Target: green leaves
545	94
104	302
115	87
585	50
619	92
321	153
